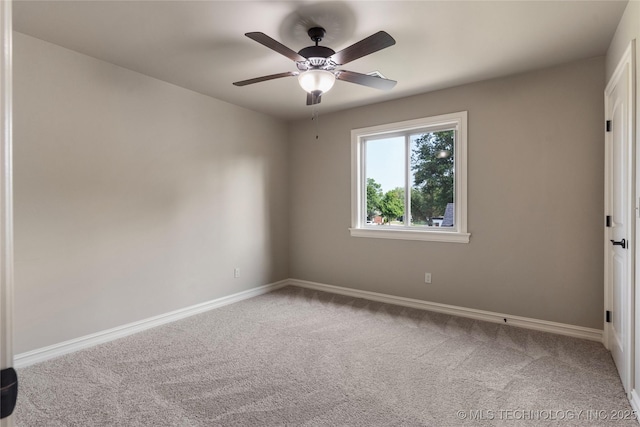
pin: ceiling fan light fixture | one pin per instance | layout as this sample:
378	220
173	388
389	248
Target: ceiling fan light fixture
316	80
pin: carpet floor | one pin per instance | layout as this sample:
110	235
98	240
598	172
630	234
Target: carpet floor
305	358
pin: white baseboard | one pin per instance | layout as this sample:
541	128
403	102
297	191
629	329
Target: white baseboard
488	316
40	355
56	350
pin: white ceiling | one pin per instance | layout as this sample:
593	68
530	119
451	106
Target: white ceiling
200	45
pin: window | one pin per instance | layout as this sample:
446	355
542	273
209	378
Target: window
409	180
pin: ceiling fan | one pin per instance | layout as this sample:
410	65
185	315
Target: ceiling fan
318	65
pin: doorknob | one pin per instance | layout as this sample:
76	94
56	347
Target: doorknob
622	243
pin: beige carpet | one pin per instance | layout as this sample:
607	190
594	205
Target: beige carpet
299	357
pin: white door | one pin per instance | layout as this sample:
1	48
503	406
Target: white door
620	207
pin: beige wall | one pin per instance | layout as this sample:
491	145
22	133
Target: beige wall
628	29
134	197
535	200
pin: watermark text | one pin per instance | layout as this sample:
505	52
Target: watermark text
547	414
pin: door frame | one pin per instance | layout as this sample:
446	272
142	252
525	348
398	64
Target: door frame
6	197
626	63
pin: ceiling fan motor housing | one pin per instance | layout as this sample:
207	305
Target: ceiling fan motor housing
316	57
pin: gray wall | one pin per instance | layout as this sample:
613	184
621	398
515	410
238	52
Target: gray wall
134	197
535	200
628	29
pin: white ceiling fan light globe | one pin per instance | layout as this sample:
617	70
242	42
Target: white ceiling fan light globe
316	80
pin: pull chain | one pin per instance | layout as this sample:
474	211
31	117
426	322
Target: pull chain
315	118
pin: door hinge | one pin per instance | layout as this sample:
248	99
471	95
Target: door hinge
608	221
608	125
608	316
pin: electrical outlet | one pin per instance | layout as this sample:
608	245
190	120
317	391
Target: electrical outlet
427	277
236	272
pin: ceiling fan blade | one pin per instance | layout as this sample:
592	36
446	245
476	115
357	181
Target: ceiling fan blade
314	98
265	78
267	41
365	80
373	43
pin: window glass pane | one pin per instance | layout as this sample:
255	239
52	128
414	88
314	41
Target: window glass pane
432	179
385	166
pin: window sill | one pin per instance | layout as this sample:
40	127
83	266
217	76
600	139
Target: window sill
430	236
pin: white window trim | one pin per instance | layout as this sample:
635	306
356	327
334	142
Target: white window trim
358	179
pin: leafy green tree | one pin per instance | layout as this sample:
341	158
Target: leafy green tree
392	205
433	173
374	198
419	207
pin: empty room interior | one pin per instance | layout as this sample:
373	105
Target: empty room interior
320	213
